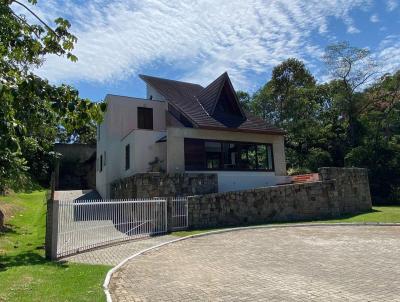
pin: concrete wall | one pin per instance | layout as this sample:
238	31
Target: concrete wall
243	180
144	149
118	128
347	193
151	93
164	185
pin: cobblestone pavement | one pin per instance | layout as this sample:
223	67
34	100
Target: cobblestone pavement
113	255
328	263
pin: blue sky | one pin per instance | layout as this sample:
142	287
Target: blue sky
198	40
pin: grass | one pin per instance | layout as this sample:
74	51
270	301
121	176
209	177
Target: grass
383	214
25	275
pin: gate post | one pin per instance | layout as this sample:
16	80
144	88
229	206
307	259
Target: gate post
169	214
52	229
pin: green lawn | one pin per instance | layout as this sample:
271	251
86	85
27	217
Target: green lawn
384	214
25	275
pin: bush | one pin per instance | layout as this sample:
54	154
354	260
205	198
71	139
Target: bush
298	171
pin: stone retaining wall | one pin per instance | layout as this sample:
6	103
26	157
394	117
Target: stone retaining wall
341	191
145	185
352	186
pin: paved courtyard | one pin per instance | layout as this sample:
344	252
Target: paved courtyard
114	254
324	263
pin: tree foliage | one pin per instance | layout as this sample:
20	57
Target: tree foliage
353	120
33	113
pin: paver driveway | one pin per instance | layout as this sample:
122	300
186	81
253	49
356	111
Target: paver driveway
328	263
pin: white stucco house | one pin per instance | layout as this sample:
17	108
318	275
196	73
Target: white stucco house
188	128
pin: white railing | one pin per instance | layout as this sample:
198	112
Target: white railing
85	224
179	213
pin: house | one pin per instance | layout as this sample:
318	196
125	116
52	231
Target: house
183	128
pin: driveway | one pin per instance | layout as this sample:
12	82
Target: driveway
320	263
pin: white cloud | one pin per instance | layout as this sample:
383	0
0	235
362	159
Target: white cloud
201	38
374	18
388	54
392	4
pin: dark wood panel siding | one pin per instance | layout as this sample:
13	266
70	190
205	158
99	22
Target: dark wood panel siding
194	154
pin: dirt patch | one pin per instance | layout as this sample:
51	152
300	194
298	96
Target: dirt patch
8	210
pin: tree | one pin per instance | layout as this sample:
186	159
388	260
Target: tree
244	99
289	79
379	148
291	100
352	120
352	68
31	110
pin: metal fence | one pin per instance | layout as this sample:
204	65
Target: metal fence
85	224
179	213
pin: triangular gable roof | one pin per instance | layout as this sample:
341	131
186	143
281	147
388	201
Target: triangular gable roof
184	97
210	96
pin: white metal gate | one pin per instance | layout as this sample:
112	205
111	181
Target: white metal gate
85	224
179	213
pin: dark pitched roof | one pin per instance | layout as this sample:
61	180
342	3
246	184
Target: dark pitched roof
198	105
210	96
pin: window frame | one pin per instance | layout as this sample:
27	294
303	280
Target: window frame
147	124
268	146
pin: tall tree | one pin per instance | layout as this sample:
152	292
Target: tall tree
352	68
289	79
32	110
379	148
291	100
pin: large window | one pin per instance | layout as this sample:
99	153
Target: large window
145	118
227	155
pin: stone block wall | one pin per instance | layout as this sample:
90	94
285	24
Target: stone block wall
341	191
352	186
146	185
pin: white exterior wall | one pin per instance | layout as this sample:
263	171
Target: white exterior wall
243	180
153	94
143	149
119	128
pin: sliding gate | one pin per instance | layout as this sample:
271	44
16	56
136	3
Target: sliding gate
85	224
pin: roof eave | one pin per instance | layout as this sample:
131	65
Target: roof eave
259	131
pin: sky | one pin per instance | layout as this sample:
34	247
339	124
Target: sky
197	40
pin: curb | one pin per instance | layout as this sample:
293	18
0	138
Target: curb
271	226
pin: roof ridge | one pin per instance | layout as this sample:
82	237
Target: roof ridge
216	80
214	88
142	76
